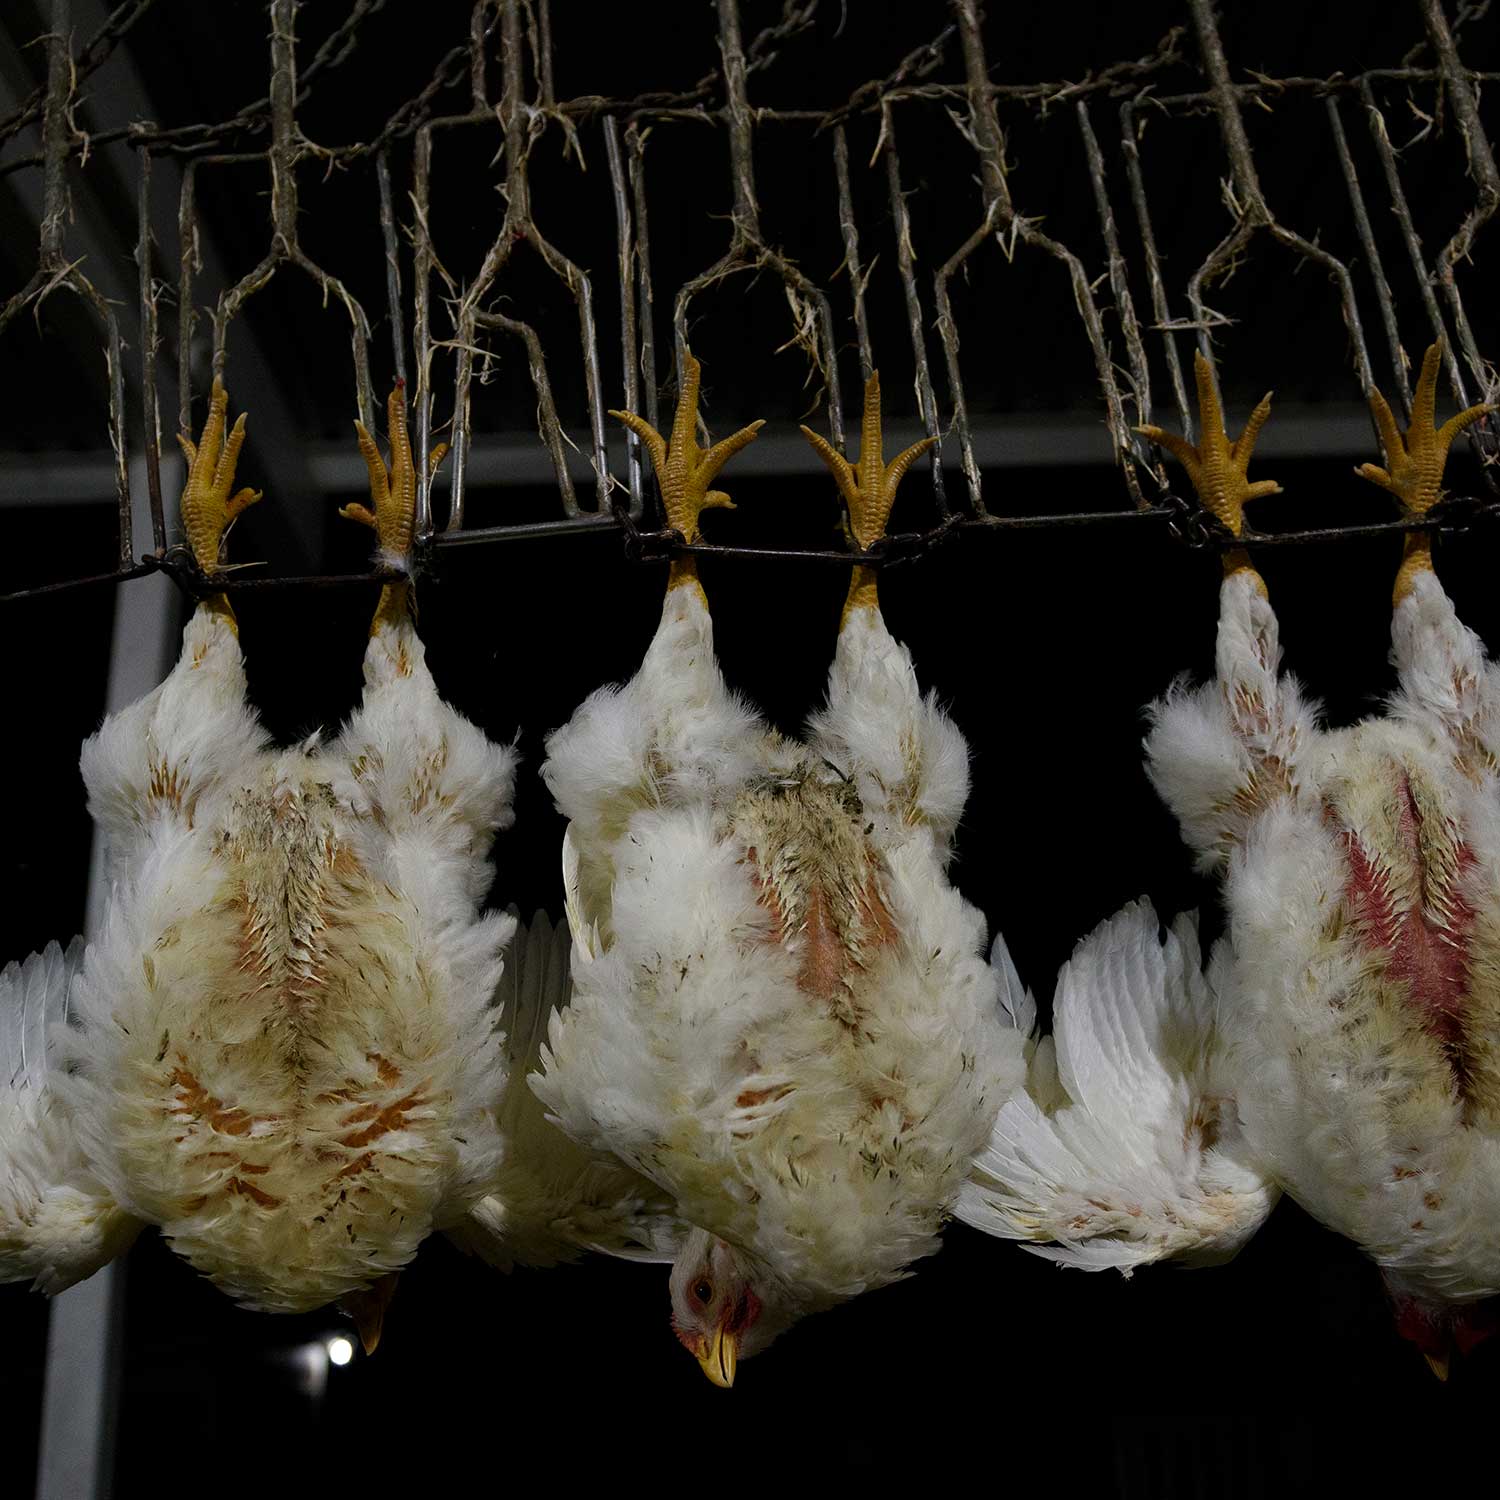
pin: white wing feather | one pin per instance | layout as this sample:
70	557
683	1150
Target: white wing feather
1125	1146
555	1199
585	932
57	1225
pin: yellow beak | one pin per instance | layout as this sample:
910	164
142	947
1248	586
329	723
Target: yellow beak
1438	1366
367	1308
720	1357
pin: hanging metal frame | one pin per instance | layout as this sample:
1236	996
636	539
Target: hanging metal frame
519	34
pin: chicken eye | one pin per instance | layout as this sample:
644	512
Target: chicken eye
703	1291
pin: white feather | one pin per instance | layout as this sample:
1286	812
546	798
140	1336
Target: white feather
552	1199
1124	1148
57	1225
585	933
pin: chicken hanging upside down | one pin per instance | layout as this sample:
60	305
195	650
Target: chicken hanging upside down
1346	1044
781	1011
281	1048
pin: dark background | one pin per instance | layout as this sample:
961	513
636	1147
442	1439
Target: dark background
1276	1374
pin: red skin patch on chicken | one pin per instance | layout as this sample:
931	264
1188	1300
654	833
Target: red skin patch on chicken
1426	948
825	962
743	1313
823	958
754	1098
1440	1328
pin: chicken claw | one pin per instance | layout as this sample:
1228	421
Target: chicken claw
1415	476
208	507
868	488
1217	466
393	493
684	470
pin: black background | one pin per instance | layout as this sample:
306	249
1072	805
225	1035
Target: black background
1277	1374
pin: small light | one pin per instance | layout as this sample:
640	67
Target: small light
340	1350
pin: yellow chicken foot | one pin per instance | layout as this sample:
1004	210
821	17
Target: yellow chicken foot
393	493
868	489
208	507
1217	466
684	470
1415	475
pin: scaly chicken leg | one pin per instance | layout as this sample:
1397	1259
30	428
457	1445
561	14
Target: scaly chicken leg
393	493
674	732
1448	684
1220	757
905	756
1217	466
1417	460
161	756
868	489
684	470
208	508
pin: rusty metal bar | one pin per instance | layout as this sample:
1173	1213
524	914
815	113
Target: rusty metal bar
287	147
1460	94
905	265
629	332
635	141
1253	212
422	258
1119	280
150	410
1160	310
1001	219
850	231
748	249
519	227
392	267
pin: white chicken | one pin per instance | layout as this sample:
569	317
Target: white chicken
280	1048
1346	1045
781	1013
